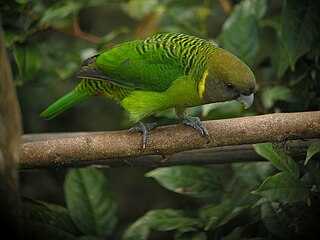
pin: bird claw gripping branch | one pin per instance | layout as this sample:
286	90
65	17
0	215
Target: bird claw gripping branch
144	128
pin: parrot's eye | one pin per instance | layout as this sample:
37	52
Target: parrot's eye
229	86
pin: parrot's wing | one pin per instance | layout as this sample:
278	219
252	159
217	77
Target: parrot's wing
95	74
136	65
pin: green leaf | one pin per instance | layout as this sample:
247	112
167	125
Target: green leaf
247	177
90	202
279	57
48	214
160	220
28	59
277	221
282	187
170	219
298	32
189	180
272	22
240	32
139	230
212	214
14	34
300	27
252	174
312	178
259	7
270	96
57	14
215	216
313	149
261	201
137	9
188	234
278	158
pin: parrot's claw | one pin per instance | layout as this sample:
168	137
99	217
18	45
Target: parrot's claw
196	123
144	128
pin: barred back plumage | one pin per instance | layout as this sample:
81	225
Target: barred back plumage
193	52
190	54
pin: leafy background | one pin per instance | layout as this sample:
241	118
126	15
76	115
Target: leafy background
47	42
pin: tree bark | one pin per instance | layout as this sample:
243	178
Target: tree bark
115	148
10	129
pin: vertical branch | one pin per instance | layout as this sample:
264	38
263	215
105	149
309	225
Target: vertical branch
10	130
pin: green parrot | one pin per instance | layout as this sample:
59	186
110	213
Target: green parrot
160	72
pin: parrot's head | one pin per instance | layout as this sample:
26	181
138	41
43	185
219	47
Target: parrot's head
228	78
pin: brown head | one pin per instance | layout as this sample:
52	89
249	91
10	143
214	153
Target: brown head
227	78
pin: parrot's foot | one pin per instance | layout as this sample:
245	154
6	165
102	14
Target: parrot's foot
196	123
144	128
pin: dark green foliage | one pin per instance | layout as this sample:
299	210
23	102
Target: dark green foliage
28	59
193	181
297	34
255	202
162	220
91	211
90	202
52	219
276	199
312	150
240	34
278	158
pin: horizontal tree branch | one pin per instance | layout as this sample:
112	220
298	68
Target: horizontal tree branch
124	148
217	155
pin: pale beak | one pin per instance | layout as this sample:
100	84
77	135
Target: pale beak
246	100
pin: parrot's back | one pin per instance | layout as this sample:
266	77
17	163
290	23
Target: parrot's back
154	63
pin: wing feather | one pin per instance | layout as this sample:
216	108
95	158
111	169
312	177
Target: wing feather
140	65
152	64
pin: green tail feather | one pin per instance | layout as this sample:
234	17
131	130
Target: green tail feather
64	103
